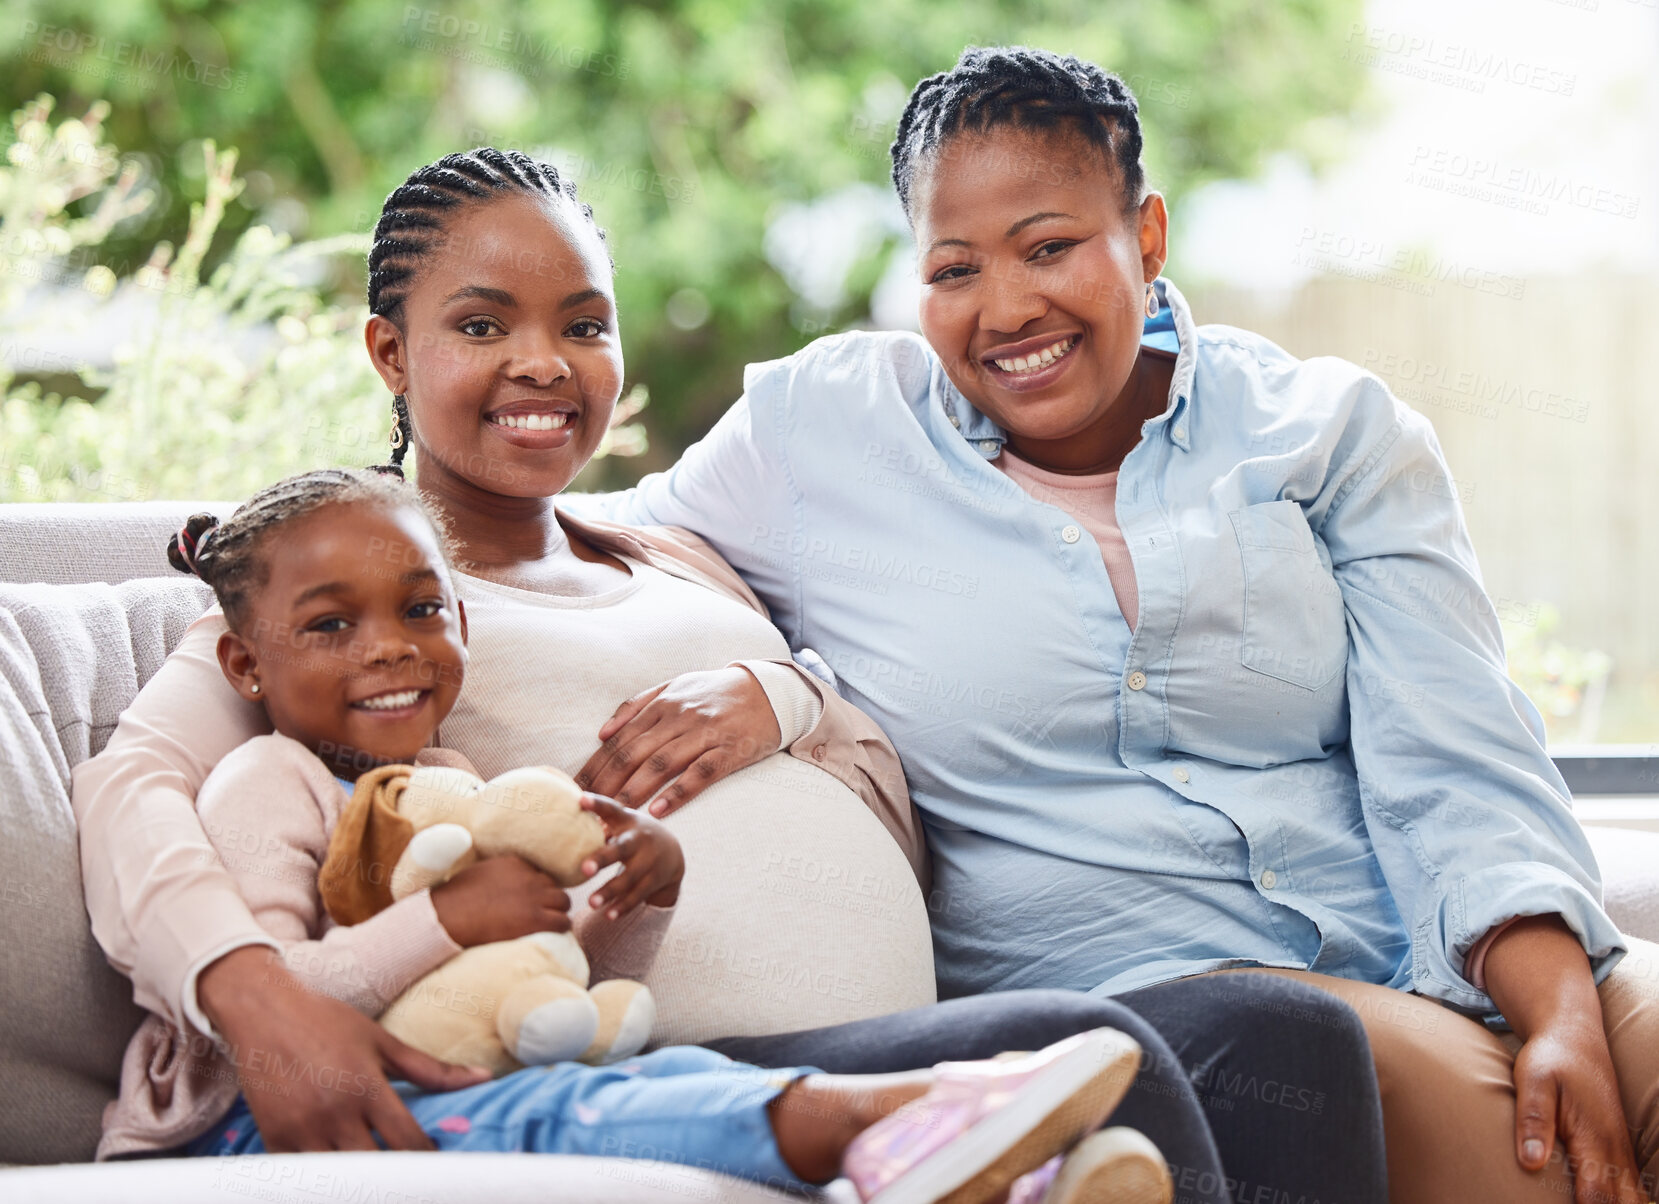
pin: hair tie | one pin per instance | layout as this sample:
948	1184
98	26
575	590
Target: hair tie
192	546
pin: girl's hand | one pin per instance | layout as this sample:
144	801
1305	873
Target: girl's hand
652	864
1565	1084
500	899
699	728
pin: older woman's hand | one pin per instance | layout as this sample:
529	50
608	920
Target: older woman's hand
1565	1084
699	727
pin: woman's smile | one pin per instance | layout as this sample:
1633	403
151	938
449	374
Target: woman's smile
535	425
1031	364
1034	291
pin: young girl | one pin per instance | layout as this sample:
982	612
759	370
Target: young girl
345	627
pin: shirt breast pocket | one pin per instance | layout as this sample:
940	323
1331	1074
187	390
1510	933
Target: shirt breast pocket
1295	628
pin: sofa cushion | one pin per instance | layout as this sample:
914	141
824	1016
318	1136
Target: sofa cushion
1629	863
71	659
395	1179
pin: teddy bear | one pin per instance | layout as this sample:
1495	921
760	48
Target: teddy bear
504	1005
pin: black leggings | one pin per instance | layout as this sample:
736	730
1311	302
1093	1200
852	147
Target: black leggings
1254	1088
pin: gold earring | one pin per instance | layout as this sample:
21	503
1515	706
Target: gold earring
1151	300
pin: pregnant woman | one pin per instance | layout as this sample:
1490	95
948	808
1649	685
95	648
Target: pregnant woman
495	327
1184	648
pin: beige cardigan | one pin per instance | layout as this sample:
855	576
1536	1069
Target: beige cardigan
162	905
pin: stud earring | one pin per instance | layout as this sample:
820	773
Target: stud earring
254	689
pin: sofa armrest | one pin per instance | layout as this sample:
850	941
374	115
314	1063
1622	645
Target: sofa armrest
67	543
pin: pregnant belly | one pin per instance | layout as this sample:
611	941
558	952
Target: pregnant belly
798	910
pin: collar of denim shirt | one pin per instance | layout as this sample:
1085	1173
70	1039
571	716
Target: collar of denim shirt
1170	329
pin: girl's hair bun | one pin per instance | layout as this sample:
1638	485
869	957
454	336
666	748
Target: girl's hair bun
186	547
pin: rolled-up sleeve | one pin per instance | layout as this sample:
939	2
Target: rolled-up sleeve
1470	819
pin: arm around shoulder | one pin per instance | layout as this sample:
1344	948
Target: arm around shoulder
161	904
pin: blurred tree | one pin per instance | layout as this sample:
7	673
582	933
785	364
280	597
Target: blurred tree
687	123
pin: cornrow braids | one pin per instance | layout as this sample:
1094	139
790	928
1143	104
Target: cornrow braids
229	556
1026	88
415	215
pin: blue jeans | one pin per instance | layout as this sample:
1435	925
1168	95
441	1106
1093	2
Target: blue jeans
1253	1087
683	1104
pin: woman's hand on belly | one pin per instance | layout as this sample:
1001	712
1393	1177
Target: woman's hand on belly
699	727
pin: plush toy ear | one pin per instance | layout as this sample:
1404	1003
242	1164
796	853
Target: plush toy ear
356	879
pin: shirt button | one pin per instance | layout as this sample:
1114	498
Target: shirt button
1269	879
818	753
1137	680
1070	534
1180	432
956	422
1181	775
987	446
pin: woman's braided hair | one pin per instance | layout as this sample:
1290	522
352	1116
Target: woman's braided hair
414	217
1026	88
229	555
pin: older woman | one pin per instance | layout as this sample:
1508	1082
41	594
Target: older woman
1183	646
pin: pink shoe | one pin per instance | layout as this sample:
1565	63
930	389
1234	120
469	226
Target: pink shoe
1113	1166
983	1124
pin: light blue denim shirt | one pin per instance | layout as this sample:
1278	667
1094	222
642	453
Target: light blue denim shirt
1307	753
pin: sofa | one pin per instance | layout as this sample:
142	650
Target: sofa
88	610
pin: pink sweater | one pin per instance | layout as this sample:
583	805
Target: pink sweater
269	809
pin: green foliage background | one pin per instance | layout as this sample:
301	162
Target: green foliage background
689	122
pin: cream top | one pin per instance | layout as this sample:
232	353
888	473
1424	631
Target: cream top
798	909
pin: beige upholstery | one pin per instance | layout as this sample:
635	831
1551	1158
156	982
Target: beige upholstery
68	542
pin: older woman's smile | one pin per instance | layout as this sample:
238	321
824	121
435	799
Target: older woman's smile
1031	364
